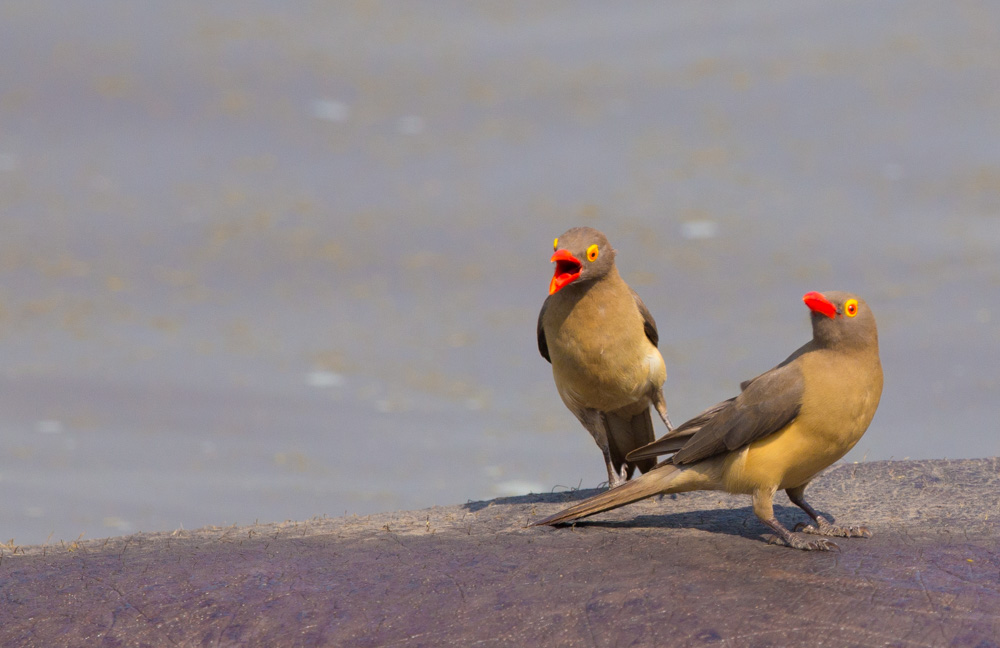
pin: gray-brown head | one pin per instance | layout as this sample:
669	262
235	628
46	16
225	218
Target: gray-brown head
841	319
582	254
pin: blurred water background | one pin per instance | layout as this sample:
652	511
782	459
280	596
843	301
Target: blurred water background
268	261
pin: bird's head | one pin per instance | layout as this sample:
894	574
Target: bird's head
841	318
581	254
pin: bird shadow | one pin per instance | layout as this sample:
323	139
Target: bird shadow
557	497
739	522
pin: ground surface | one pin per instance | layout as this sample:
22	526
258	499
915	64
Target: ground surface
689	570
250	249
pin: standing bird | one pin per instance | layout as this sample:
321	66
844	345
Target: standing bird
601	342
785	426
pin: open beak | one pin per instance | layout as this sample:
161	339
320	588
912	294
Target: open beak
567	270
820	304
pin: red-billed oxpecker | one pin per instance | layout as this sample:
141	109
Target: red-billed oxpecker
784	427
602	343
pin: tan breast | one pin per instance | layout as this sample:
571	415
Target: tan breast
601	357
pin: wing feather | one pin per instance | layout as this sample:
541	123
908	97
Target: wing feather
543	345
648	323
768	403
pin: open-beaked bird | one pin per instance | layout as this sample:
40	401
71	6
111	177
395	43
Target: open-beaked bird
602	343
785	426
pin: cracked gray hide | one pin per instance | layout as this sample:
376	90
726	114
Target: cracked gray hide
686	570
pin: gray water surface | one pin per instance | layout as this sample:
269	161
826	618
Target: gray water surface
262	261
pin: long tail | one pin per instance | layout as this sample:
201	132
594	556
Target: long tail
652	483
626	435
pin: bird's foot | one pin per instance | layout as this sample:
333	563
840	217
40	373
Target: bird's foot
785	537
616	479
824	528
796	542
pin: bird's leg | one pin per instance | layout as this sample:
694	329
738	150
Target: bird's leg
594	421
763	507
615	478
822	526
661	407
620	478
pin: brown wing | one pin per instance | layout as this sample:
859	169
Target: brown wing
770	402
543	346
679	436
648	323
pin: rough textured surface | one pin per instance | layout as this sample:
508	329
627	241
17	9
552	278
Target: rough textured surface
251	248
688	570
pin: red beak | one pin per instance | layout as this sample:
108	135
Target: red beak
820	304
567	270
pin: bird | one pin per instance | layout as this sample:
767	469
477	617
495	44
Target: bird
782	429
601	341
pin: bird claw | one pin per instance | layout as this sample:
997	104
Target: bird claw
834	530
821	544
616	479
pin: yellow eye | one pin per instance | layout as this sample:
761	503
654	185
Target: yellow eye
851	307
592	252
555	244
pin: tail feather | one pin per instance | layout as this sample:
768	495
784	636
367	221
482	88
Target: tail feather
627	434
652	483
